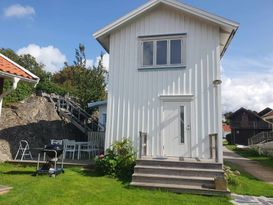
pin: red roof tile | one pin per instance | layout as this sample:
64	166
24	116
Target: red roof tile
10	67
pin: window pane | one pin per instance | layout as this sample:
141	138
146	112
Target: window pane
182	124
176	51
148	53
161	52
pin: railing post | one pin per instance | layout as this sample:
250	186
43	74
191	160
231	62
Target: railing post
140	145
213	146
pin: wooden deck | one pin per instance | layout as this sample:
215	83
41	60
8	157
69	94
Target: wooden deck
69	163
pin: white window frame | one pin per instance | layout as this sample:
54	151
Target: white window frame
168	38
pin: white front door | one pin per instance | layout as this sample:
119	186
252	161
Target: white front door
176	129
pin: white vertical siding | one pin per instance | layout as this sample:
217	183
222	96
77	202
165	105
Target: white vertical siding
133	99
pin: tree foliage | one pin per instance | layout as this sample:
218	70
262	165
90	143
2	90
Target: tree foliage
85	83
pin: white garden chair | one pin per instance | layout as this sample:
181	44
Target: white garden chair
23	150
90	147
69	146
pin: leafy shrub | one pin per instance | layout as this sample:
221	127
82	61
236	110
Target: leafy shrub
118	161
230	175
23	91
50	87
229	138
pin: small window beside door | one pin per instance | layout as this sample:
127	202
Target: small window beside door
182	124
163	52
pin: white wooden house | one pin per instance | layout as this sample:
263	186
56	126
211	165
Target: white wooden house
164	79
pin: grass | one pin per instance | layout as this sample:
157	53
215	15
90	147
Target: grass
253	155
247	184
81	187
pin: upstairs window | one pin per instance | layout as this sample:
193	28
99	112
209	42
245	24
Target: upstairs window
163	51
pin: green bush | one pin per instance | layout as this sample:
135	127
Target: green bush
118	161
22	91
50	87
231	175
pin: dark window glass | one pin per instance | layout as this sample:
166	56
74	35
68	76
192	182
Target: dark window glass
176	51
148	53
161	52
182	124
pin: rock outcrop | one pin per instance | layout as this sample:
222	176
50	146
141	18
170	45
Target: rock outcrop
34	120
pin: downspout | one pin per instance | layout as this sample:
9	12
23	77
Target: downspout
13	87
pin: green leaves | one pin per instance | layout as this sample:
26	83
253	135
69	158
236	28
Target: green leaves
119	161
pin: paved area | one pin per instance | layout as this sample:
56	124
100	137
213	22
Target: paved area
247	200
254	168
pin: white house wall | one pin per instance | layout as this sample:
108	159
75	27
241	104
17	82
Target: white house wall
133	99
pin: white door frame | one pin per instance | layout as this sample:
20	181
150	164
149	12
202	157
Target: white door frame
178	98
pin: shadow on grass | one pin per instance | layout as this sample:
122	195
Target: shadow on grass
19	172
93	173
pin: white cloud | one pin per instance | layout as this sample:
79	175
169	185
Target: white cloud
105	61
50	56
248	83
89	62
18	10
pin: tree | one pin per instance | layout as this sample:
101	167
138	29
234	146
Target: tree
85	83
227	117
80	56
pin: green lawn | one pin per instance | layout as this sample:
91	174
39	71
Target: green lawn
246	184
79	187
253	155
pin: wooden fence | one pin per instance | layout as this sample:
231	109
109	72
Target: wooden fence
98	138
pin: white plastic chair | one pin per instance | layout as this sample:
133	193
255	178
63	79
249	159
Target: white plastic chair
69	147
23	150
91	148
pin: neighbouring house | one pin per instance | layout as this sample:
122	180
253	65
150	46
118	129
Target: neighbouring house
267	116
102	111
245	124
264	111
11	70
226	130
164	91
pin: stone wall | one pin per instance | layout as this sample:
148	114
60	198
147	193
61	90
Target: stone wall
36	121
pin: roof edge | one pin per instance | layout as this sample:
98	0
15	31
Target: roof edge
22	68
192	10
9	75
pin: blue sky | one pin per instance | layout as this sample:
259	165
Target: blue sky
60	25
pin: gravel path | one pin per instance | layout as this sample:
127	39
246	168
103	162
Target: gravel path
254	168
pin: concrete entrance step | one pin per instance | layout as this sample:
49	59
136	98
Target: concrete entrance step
204	182
4	189
177	163
181	188
178	171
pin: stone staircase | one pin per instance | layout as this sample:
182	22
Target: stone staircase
178	176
